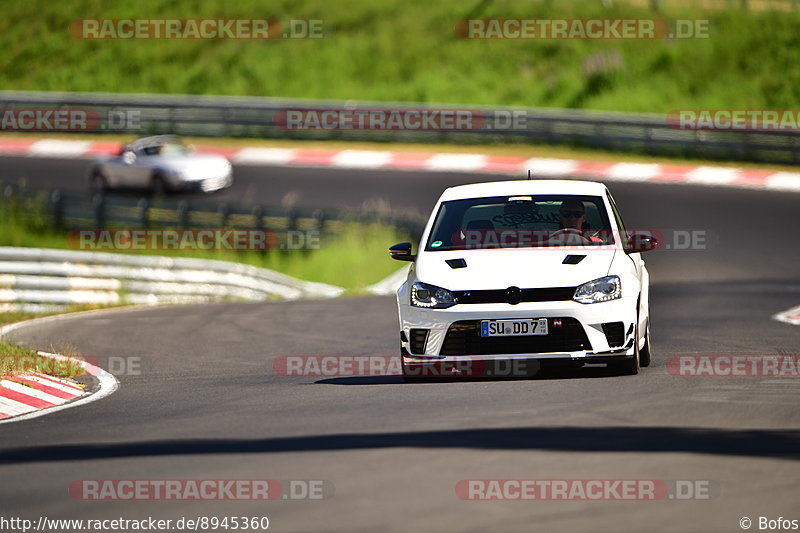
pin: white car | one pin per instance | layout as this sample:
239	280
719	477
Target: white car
517	273
161	164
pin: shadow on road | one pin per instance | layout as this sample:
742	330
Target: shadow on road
540	374
754	443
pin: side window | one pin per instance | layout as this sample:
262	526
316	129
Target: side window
623	235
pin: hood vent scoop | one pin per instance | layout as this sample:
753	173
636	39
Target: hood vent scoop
572	259
456	263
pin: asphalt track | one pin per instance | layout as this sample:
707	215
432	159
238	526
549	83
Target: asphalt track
208	405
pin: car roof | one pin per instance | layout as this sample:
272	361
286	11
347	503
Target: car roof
155	140
523	187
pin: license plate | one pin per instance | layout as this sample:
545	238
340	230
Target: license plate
513	328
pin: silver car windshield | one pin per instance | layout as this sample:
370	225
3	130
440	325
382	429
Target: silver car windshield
165	149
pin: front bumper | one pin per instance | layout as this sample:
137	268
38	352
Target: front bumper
588	317
206	185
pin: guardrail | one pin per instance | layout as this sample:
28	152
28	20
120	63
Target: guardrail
753	5
45	280
216	116
72	211
50	280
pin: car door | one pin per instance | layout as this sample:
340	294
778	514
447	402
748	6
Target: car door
637	264
139	171
112	169
122	169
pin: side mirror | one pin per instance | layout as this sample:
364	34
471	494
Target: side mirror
640	242
402	252
128	157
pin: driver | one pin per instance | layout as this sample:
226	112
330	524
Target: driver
573	217
572	214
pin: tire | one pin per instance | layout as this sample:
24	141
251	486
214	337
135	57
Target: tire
645	354
630	367
158	186
409	377
98	184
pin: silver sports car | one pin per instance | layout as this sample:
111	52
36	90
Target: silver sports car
161	164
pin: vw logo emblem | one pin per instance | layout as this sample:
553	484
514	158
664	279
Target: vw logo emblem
513	295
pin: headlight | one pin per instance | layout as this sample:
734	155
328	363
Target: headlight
599	290
431	296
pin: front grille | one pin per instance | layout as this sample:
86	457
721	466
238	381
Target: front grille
498	296
615	333
418	339
463	338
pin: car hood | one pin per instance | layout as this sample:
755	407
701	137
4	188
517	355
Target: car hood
520	267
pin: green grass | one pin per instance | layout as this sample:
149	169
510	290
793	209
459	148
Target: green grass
353	258
408	50
15	359
9	317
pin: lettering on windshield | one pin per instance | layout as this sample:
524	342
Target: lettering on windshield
516	220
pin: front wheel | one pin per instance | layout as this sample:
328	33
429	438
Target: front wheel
98	183
159	186
630	367
644	353
408	375
411	379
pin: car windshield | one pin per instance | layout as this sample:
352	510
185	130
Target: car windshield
169	148
520	222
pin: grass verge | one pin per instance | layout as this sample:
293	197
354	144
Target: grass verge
15	359
354	257
408	50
